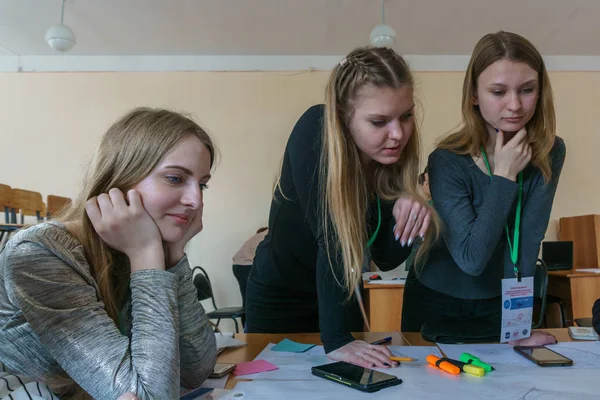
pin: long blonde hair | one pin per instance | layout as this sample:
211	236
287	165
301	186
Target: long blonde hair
128	152
472	134
344	190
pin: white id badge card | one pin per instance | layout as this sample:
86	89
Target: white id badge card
517	309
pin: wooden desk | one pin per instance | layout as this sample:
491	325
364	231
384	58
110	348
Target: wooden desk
584	232
383	303
577	290
256	342
415	339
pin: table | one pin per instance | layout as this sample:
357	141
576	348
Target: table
256	342
383	304
577	290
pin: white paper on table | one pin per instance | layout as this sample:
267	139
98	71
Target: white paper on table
509	382
297	366
420	365
493	354
225	340
418	352
594	270
396	276
427	383
583	354
395	281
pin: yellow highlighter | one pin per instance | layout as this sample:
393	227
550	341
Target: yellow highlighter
468	368
473	370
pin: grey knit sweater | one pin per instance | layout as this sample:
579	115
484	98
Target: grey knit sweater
54	328
472	256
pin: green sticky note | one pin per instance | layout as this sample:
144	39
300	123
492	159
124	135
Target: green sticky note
290	346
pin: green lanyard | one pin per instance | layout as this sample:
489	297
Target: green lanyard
514	247
372	240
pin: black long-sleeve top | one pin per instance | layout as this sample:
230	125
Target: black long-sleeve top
292	286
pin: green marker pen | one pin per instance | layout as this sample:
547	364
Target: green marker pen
471	359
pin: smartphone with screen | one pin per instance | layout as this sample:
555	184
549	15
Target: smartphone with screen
360	378
221	370
543	356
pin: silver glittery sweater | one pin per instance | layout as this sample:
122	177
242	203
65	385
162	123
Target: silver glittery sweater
54	328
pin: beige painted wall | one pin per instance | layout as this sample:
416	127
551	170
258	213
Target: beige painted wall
51	124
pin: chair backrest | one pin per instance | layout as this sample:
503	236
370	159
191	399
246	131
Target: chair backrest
241	273
5	197
56	204
30	203
540	289
203	285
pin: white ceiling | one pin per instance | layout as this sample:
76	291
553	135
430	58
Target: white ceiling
294	27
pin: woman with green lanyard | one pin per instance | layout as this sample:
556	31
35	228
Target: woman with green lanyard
492	183
347	192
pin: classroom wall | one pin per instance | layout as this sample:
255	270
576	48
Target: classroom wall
52	122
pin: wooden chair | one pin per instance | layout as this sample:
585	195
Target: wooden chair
5	197
56	204
28	203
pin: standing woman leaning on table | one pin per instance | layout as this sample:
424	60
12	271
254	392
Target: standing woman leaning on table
347	192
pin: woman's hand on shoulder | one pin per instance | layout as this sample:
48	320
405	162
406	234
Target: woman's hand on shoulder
413	216
125	225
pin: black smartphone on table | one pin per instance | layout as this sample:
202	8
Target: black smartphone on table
363	379
543	356
220	370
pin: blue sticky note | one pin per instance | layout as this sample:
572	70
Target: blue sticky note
292	347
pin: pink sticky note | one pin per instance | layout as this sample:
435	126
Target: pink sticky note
253	367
